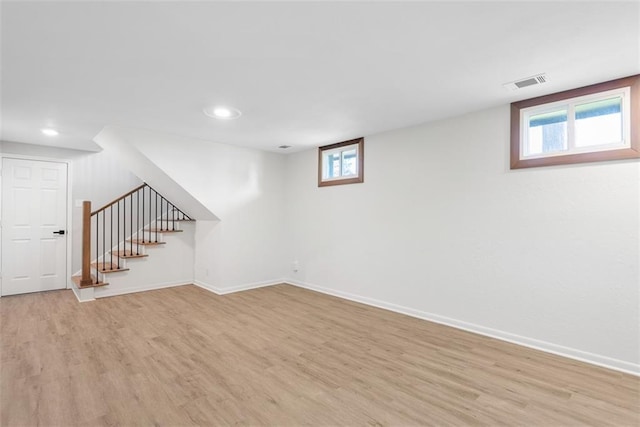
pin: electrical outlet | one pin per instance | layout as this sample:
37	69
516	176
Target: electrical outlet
295	266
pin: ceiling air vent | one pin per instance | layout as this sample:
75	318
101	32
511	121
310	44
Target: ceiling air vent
529	81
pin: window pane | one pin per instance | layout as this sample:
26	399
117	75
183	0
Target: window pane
331	166
335	165
349	164
547	133
341	163
599	122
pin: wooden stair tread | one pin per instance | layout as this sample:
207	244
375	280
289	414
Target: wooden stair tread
108	267
145	242
77	279
127	254
159	230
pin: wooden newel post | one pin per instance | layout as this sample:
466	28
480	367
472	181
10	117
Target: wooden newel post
86	244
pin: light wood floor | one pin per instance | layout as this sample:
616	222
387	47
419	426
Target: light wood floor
279	356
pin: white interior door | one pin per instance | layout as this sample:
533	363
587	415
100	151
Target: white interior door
34	212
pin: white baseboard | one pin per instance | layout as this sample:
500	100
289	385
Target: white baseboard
571	353
82	295
231	289
131	290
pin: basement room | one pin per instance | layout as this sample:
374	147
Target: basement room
324	213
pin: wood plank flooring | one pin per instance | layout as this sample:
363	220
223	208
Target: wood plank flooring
280	356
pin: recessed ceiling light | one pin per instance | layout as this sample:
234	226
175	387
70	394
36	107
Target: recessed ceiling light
284	147
50	132
222	112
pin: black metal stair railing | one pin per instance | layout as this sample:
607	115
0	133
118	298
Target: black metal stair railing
127	222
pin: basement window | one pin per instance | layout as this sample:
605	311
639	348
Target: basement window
589	124
341	163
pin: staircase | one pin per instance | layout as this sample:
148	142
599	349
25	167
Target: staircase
124	230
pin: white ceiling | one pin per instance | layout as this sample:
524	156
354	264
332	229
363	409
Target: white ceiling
302	73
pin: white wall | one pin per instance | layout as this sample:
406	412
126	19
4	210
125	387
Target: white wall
244	188
124	143
100	178
442	229
39	151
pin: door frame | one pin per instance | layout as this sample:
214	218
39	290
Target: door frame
69	225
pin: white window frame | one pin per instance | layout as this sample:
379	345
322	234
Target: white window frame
325	151
341	152
569	105
628	148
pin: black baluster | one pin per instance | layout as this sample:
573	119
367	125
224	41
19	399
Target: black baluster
140	216
104	240
111	237
143	214
156	218
161	213
97	247
137	222
149	223
131	222
166	218
118	237
124	226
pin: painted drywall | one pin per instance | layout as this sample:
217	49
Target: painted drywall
123	143
245	189
442	229
98	177
8	148
241	243
101	178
